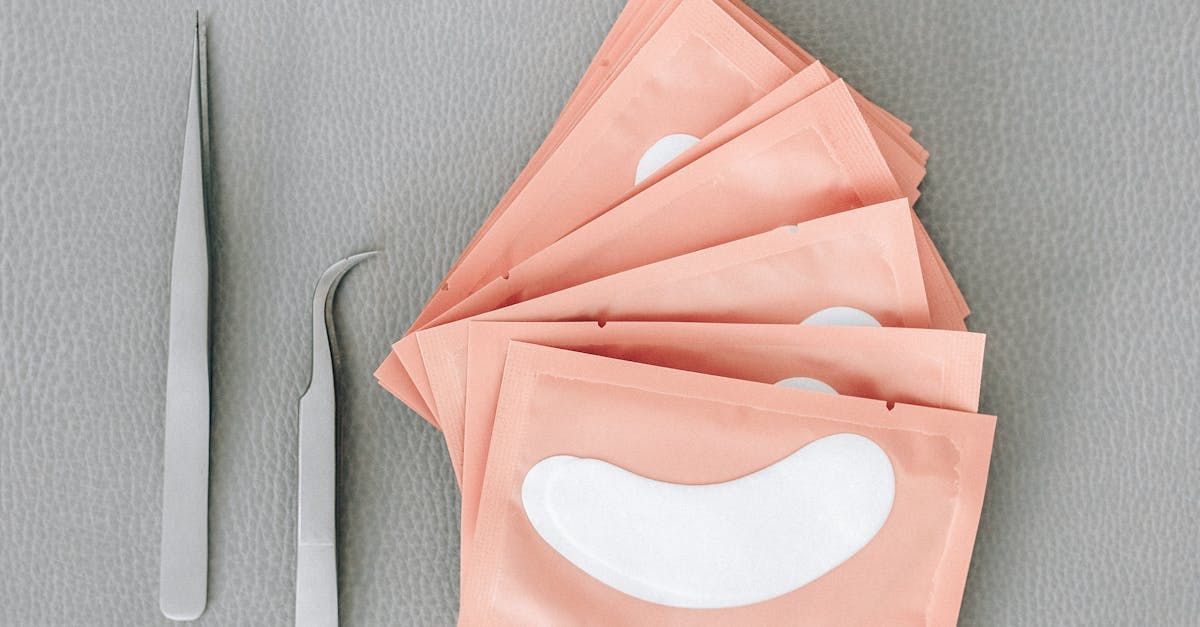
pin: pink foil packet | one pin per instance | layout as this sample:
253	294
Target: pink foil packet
601	138
925	367
862	261
625	493
814	158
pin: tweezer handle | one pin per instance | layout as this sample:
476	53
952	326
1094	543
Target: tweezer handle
316	585
316	555
183	587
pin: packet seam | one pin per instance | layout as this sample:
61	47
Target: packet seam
439	374
851	143
488	538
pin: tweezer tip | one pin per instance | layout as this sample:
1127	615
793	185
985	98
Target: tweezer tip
354	260
340	267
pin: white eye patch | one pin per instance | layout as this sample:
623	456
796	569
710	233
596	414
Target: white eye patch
806	383
720	545
663	152
841	317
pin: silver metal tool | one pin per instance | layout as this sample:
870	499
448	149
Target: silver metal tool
183	574
316	552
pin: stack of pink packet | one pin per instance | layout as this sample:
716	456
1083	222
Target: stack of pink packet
702	364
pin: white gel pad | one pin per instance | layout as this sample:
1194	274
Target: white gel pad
719	545
807	383
841	317
663	152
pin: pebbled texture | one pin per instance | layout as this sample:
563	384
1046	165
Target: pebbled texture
1062	190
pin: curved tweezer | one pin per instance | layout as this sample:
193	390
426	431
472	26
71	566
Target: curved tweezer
316	553
183	574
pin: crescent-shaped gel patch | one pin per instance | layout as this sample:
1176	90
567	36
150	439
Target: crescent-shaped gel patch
720	545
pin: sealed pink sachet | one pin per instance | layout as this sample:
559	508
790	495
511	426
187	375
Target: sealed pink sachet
815	158
527	220
863	260
624	493
702	363
504	246
915	366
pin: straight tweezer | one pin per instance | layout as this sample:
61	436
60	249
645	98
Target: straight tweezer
183	574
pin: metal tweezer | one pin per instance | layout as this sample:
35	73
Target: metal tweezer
316	536
183	574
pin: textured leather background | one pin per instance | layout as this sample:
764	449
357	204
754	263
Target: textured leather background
1062	190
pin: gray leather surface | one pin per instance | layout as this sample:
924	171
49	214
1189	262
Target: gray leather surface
1062	190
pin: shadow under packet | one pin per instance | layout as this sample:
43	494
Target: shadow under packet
862	261
928	367
634	494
